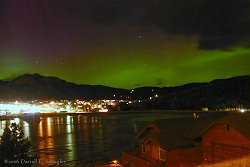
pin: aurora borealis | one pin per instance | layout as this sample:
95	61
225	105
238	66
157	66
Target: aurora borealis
125	44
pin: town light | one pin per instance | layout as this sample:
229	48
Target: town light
115	162
242	110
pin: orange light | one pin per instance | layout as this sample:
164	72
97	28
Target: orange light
115	162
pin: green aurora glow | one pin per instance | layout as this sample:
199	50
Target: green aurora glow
155	65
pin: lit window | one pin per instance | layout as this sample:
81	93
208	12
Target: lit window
143	149
162	154
227	127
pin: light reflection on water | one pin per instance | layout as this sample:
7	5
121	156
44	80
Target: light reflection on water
83	139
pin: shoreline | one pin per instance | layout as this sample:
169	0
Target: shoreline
25	115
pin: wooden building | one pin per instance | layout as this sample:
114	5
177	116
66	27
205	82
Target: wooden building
169	142
227	138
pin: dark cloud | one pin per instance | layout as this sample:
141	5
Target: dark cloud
137	85
159	82
219	24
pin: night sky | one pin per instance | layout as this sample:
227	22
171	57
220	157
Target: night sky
125	43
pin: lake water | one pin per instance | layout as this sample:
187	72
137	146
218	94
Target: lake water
84	139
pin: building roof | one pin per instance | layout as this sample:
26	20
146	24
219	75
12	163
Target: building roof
176	133
172	142
240	121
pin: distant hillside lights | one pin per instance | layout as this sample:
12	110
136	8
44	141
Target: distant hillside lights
242	110
155	96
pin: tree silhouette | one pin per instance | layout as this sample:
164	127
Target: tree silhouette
14	148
